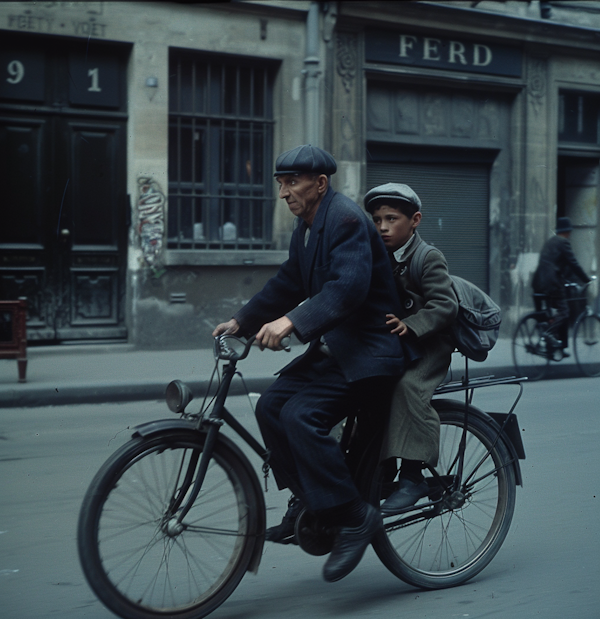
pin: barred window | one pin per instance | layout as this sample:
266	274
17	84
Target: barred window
220	152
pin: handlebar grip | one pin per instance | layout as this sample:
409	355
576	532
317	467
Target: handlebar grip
286	343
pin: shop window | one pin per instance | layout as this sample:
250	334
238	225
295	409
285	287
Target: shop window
220	153
578	117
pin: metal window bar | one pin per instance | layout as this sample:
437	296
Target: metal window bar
191	197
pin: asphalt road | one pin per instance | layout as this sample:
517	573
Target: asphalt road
549	566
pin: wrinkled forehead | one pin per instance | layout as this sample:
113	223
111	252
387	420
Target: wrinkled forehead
294	176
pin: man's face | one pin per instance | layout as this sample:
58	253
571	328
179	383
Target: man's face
303	193
394	227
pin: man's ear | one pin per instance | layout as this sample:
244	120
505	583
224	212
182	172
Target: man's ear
417	218
322	183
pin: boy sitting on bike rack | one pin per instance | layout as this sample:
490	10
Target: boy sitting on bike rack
556	267
427	309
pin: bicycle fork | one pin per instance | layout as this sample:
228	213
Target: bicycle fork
174	526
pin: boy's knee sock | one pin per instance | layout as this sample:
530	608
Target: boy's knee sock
412	470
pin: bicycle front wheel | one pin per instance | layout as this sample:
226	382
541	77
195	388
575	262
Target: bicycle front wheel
136	562
453	539
586	338
528	355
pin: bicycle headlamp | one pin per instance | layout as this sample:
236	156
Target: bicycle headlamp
178	396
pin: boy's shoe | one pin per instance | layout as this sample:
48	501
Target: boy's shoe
284	533
408	493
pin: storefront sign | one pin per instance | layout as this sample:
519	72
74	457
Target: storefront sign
442	53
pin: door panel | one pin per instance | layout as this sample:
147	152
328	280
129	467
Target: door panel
24	252
92	226
21	161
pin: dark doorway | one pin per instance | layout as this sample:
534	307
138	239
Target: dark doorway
63	241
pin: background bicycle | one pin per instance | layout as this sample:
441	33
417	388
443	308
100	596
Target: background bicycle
532	352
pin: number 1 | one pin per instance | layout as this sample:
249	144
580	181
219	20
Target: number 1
94	74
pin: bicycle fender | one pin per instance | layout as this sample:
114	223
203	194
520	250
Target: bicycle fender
513	450
152	427
145	430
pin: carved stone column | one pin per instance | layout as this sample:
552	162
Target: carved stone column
539	187
346	116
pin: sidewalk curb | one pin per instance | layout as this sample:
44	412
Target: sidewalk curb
102	392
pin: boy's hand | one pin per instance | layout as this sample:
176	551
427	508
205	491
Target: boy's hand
397	325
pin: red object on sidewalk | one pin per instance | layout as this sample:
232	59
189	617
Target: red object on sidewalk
13	333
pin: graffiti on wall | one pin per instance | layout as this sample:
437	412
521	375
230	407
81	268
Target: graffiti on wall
151	220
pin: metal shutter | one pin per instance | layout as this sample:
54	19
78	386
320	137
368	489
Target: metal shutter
455	200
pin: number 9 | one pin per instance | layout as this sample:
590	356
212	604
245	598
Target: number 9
17	70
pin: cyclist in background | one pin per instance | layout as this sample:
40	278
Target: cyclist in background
556	267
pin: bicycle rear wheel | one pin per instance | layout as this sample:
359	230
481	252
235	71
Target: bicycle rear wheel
453	539
528	355
586	338
140	567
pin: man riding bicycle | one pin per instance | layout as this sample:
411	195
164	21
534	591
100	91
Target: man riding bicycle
557	266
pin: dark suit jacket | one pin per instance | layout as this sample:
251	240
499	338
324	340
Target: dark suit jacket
339	286
556	266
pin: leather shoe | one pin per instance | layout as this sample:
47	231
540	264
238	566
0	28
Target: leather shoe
284	533
408	493
350	544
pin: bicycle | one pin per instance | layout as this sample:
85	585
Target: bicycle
175	517
533	352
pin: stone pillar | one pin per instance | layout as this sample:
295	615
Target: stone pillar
539	187
346	117
582	208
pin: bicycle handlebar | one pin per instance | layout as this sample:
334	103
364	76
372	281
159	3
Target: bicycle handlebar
225	352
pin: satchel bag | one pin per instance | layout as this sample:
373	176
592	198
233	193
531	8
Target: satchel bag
477	323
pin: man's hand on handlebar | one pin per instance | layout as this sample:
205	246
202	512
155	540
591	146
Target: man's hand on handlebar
271	334
228	328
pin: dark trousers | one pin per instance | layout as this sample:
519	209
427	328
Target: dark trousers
559	327
296	415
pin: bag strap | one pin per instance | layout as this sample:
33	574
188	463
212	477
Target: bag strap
416	265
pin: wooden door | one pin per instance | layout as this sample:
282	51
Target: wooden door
64	240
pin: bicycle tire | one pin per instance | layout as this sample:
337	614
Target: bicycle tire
449	546
586	343
131	562
525	343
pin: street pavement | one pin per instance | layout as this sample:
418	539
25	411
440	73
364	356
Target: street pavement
75	374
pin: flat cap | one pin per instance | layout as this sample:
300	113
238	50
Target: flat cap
390	192
305	159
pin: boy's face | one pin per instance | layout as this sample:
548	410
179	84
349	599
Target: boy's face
394	227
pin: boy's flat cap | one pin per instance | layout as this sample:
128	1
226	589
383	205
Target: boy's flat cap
390	192
305	159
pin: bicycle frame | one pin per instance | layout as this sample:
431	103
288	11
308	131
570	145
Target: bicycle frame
220	415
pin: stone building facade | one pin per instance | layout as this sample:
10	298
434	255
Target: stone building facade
139	142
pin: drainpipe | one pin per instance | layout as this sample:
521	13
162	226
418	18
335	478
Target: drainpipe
311	73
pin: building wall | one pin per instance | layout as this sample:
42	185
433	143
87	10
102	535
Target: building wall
175	297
